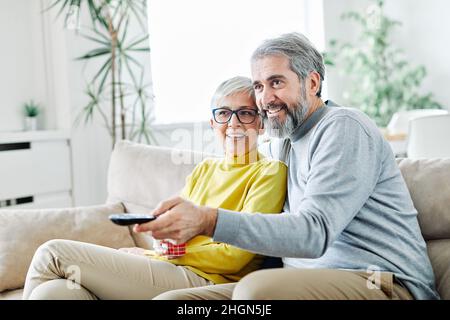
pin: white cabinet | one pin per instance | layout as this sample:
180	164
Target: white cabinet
35	170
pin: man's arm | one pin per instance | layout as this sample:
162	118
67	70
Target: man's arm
345	165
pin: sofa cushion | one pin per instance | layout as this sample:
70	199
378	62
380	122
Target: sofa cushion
439	253
23	231
428	181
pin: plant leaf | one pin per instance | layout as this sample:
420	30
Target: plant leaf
95	53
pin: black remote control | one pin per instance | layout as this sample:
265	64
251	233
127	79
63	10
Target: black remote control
126	219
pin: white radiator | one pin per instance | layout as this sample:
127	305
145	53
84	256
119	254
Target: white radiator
35	170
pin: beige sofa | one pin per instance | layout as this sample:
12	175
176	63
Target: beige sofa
140	176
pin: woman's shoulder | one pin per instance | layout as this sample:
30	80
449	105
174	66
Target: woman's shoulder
204	167
209	162
274	166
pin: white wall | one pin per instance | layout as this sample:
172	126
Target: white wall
22	67
423	36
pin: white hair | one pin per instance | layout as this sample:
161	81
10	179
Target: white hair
232	86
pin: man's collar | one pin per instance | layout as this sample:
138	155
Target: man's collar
311	121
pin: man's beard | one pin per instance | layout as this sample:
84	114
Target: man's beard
294	117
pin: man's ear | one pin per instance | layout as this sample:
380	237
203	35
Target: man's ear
211	123
314	83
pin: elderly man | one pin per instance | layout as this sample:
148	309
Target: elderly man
349	229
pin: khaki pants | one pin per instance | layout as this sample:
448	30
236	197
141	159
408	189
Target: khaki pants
63	269
300	284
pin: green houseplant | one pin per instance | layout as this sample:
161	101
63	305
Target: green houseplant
382	81
117	91
31	110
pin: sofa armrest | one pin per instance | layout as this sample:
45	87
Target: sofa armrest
23	231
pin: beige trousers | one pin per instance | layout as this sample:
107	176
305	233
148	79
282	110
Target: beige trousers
64	269
300	284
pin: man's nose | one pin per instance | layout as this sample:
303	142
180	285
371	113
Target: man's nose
267	97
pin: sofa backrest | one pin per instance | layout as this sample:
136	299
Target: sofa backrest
428	181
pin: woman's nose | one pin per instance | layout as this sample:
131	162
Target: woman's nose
234	121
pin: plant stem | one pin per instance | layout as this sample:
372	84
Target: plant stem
122	108
122	103
113	36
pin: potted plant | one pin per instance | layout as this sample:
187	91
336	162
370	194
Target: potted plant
32	110
381	80
117	91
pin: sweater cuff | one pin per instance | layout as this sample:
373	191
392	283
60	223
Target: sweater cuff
227	226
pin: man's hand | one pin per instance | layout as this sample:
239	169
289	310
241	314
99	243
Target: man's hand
182	220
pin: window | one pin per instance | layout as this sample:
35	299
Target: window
197	44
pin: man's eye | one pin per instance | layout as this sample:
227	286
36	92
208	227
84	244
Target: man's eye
257	87
276	83
224	112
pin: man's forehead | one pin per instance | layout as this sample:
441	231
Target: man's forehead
269	67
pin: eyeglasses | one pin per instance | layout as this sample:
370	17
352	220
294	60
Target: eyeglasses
244	115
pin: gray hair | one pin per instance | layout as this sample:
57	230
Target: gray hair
303	56
232	86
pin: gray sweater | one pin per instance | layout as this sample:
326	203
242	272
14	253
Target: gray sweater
347	205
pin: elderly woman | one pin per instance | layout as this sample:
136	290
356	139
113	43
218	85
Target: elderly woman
241	181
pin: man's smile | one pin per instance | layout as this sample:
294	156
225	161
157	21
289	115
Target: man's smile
273	114
274	110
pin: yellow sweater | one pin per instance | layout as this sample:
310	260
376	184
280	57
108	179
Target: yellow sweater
253	187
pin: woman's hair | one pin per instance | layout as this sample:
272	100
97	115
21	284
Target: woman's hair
232	86
303	56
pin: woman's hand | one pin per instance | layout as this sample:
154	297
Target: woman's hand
134	250
182	220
